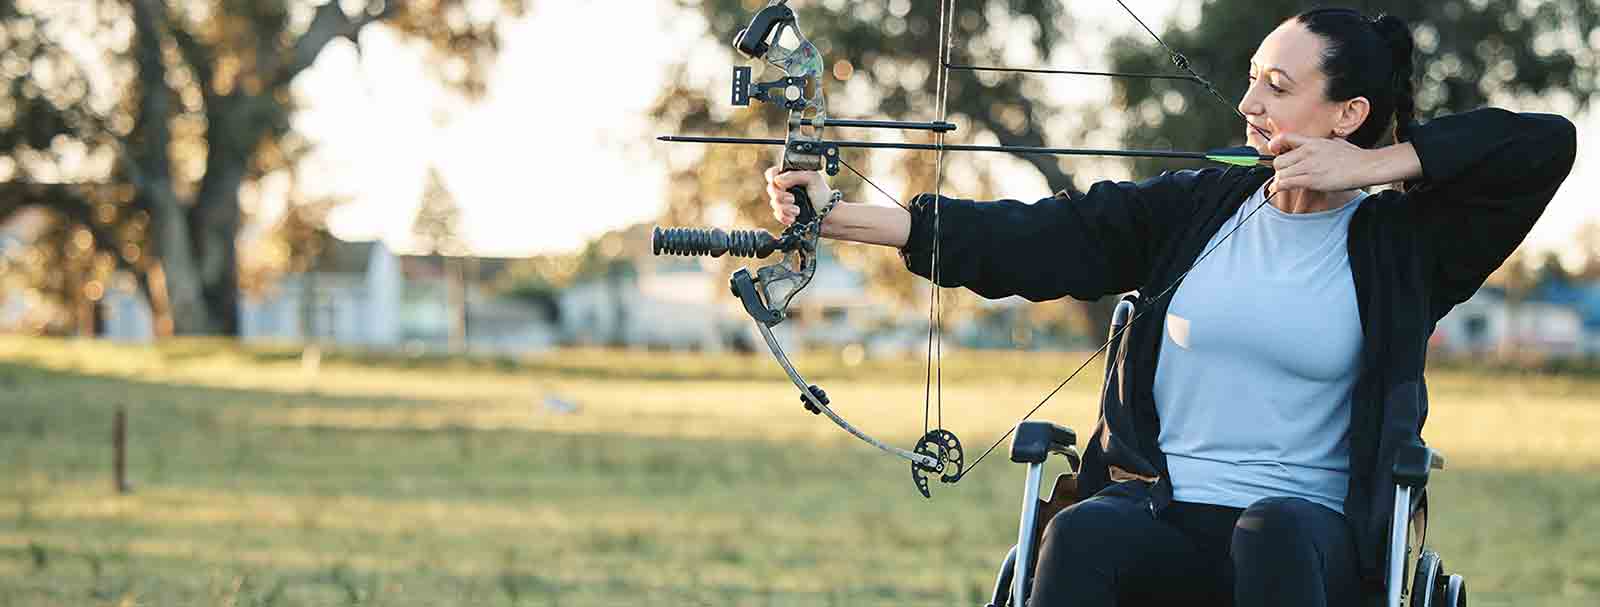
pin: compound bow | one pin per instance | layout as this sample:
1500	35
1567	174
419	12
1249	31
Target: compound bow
767	293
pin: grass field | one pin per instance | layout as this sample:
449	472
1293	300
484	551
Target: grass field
680	480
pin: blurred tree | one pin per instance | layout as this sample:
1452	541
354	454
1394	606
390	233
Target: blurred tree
1551	271
188	103
302	235
73	252
437	230
437	227
1588	241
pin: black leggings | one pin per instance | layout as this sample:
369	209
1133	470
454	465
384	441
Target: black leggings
1110	550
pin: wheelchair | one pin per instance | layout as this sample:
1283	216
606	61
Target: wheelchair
1415	578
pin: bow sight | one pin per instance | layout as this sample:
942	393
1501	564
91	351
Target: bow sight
766	294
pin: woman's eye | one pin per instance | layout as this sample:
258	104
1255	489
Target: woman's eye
1251	78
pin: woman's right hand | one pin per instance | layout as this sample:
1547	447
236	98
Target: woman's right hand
783	205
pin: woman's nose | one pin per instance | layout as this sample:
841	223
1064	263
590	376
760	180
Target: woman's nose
1247	104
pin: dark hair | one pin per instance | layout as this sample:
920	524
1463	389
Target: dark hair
1368	58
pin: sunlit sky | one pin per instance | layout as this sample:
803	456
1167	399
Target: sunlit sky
559	150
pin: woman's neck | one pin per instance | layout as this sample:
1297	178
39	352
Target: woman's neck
1307	201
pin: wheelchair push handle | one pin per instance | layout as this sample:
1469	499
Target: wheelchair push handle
1036	440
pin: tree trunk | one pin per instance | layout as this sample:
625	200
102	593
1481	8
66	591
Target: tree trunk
170	230
153	281
214	220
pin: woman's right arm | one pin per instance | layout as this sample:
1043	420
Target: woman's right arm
856	222
1088	245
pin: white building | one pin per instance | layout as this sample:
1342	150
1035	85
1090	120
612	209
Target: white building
362	294
351	296
1488	323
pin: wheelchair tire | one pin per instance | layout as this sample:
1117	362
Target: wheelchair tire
1455	591
1427	588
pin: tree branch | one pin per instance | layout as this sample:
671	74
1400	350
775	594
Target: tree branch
200	58
328	23
152	133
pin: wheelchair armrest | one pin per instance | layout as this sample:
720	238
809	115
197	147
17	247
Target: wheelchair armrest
1413	462
1036	440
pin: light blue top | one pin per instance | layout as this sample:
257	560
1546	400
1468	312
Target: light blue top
1259	355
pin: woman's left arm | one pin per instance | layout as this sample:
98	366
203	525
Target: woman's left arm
1479	180
1486	177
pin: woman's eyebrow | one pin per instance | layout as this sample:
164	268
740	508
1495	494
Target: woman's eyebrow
1255	67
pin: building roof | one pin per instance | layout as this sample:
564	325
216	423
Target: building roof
1583	297
345	257
432	267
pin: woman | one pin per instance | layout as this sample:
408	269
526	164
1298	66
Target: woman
1244	457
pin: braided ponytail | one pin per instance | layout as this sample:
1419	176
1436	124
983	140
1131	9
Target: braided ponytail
1398	36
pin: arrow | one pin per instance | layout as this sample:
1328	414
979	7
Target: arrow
1244	156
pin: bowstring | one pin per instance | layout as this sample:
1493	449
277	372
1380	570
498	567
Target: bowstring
933	377
1182	62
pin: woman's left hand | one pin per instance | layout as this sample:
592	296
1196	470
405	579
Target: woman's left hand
1318	164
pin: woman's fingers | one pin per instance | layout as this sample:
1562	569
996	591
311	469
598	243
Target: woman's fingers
1285	143
779	195
779	182
1286	160
782	202
794	178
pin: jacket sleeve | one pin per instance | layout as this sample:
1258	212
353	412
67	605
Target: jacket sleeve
1085	245
1486	177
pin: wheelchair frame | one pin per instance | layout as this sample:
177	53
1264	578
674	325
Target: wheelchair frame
1409	559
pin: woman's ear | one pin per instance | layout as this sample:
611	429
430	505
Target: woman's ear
1352	114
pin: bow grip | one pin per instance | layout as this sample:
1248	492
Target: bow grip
808	213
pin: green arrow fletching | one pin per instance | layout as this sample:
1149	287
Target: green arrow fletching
1244	156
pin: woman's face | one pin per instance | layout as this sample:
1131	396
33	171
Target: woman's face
1287	91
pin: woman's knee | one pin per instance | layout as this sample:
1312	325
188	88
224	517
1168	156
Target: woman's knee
1092	522
1291	547
1285	523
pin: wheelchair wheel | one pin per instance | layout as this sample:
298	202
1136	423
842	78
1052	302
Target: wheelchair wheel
1455	591
1428	587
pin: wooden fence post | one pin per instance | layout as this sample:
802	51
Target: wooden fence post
119	447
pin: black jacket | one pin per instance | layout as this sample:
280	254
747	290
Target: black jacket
1487	176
